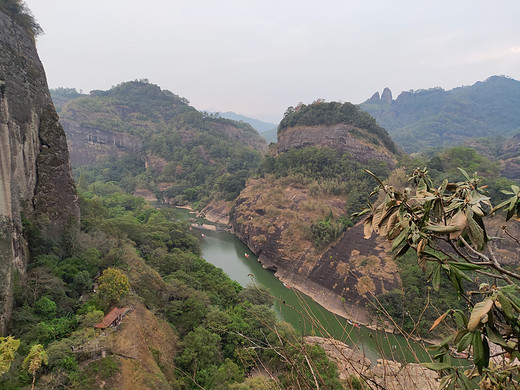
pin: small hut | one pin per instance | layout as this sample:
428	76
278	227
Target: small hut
112	319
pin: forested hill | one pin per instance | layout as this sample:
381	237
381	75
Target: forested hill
152	141
341	126
421	119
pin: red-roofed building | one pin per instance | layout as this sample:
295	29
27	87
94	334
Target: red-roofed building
113	318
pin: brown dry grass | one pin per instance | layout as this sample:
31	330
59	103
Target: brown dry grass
147	359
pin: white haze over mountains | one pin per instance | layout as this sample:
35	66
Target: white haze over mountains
258	57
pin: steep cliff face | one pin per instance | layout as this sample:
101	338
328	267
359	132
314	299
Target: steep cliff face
274	221
343	137
88	144
35	177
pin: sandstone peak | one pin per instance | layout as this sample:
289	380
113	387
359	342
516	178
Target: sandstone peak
387	95
375	97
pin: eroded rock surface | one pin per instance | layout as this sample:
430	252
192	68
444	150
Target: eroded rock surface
35	178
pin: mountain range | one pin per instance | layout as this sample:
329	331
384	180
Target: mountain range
435	118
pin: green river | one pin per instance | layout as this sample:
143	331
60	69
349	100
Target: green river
227	252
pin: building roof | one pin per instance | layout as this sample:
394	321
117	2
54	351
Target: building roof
109	318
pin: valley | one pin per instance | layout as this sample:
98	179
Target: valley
149	244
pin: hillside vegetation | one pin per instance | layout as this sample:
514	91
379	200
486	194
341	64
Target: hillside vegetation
21	15
189	324
423	119
186	155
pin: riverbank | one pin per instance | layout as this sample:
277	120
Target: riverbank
326	298
386	374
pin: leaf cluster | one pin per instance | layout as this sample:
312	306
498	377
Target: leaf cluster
444	225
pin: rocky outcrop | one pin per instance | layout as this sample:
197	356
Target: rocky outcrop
274	222
505	151
510	158
386	96
358	143
387	374
35	177
88	144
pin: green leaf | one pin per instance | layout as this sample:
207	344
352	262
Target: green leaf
460	319
465	341
465	174
465	266
478	312
480	351
501	205
506	305
462	275
515	189
437	366
437	210
463	382
447	340
445	380
435	255
436	277
511	209
512	292
400	238
402	251
495	337
443	186
475	232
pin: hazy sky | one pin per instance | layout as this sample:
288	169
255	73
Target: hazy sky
258	57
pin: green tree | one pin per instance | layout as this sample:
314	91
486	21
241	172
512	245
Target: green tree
201	354
34	360
8	347
113	285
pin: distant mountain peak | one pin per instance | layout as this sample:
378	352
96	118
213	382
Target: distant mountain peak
387	95
433	117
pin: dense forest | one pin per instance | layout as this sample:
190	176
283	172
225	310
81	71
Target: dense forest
434	118
129	253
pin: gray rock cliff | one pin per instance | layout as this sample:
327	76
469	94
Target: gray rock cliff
35	177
